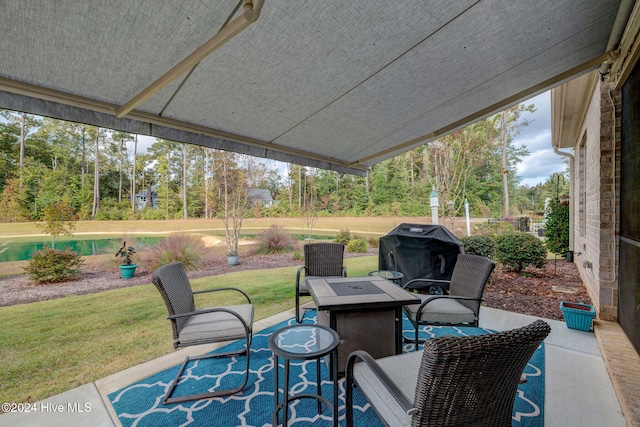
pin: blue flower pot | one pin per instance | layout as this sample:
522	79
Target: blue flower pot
127	271
577	315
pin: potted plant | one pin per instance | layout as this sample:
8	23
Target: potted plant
127	268
232	257
578	315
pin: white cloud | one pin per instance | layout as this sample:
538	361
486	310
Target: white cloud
543	161
144	142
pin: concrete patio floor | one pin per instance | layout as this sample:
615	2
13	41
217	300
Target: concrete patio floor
584	371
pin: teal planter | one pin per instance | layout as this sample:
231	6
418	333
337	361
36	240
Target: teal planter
127	271
577	315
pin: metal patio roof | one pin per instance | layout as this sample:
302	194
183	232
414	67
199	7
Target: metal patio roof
335	84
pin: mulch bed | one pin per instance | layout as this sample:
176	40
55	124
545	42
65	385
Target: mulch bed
537	292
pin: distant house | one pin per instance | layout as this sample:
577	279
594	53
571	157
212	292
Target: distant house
147	197
260	196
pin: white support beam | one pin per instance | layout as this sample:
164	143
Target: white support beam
248	16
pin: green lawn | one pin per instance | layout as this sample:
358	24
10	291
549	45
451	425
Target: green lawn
52	346
323	226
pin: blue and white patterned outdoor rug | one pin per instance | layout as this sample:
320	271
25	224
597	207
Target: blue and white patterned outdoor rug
140	404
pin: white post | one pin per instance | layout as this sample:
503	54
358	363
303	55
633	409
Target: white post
434	203
466	213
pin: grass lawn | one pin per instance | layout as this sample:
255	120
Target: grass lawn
52	346
324	225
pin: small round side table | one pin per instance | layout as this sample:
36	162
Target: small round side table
394	276
304	342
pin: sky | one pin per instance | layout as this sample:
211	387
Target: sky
535	169
542	162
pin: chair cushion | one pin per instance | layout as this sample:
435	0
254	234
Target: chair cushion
304	289
403	370
216	326
441	310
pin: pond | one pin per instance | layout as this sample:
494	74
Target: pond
20	251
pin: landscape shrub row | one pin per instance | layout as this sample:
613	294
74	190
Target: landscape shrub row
515	250
54	265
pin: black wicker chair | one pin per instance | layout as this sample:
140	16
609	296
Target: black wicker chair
320	260
462	304
454	381
204	326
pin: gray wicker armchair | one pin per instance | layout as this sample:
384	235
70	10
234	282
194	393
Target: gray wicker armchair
454	381
320	260
209	325
462	304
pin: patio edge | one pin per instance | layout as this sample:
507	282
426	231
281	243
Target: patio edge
623	364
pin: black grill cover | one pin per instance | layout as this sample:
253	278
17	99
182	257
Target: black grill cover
422	251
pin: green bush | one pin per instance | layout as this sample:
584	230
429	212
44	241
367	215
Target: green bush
151	214
494	229
557	227
344	236
480	245
518	250
373	242
185	248
274	240
358	246
298	255
111	210
53	265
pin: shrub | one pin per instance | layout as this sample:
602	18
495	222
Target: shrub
298	255
518	250
186	248
557	227
373	242
274	240
494	229
53	265
344	236
151	213
480	245
358	245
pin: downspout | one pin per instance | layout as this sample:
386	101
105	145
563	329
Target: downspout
571	158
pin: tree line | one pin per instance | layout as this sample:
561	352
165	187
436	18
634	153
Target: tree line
97	172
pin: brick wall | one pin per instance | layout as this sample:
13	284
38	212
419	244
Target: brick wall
610	104
597	169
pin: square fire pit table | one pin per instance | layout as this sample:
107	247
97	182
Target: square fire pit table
366	312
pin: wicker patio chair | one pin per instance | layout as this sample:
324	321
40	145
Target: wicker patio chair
454	381
203	326
320	260
462	304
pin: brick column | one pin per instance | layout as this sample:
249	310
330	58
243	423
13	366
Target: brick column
609	201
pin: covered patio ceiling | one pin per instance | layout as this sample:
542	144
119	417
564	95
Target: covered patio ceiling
334	84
